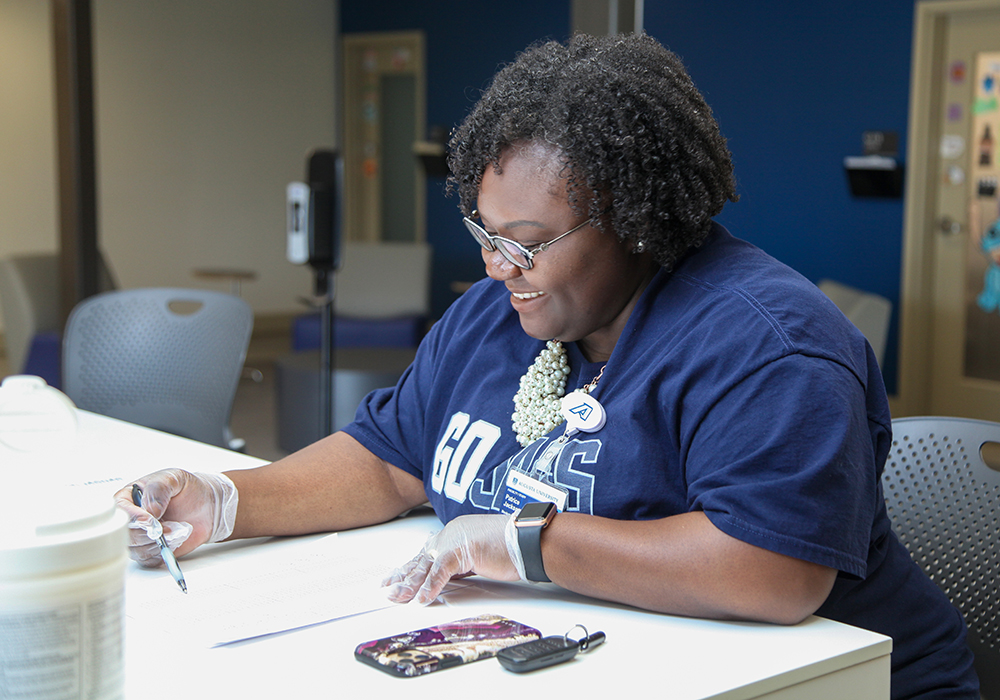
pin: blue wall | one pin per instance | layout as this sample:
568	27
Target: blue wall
793	85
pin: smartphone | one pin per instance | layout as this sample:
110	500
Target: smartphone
434	648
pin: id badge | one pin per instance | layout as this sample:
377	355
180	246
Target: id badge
521	489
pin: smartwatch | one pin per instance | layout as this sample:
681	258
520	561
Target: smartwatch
530	521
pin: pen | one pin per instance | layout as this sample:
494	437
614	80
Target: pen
168	556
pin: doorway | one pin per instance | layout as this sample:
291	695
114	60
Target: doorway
384	107
950	325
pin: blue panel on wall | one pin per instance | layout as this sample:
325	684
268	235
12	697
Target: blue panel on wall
794	85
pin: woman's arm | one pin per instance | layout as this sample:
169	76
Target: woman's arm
681	565
333	484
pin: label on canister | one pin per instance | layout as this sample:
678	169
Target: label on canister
70	651
62	569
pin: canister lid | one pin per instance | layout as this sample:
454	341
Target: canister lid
52	530
33	415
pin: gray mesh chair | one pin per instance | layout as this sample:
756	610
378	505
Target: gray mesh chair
168	359
944	503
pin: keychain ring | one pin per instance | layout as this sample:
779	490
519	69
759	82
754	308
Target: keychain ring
583	643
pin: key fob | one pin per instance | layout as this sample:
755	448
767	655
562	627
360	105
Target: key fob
537	653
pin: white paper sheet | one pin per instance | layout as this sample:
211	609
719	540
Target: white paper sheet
273	590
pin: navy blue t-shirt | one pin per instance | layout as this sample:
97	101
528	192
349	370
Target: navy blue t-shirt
736	388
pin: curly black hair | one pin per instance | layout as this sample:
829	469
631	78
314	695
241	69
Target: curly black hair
640	148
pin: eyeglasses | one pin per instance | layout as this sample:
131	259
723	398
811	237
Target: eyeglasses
512	250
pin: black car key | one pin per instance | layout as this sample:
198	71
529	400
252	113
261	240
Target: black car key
547	651
537	653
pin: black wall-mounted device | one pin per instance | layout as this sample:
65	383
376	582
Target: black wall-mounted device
325	178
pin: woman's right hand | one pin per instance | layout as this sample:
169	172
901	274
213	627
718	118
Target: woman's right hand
191	508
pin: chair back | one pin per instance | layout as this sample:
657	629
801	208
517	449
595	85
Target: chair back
384	280
29	301
870	313
168	359
944	502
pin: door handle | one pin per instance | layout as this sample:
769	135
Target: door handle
949	226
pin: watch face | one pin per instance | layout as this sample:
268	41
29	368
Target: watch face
536	512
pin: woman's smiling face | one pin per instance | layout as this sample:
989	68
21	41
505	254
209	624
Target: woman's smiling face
584	287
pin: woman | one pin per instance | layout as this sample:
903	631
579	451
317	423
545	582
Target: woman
726	426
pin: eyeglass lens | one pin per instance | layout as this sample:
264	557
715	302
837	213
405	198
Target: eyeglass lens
509	249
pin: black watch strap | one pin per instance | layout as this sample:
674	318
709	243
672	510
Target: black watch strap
529	539
530	522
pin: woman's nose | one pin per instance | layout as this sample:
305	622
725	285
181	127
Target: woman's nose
498	267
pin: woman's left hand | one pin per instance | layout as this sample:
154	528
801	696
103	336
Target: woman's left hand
470	544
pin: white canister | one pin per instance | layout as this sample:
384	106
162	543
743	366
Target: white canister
62	585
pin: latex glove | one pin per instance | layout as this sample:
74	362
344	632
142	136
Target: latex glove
470	544
192	509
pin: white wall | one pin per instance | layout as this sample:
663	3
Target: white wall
205	110
27	130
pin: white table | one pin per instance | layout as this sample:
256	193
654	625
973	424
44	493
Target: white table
682	658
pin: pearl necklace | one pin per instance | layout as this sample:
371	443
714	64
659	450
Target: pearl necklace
536	403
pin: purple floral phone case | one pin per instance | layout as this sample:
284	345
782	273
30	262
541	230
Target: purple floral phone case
451	644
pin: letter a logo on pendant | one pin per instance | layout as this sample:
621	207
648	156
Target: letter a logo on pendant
583	412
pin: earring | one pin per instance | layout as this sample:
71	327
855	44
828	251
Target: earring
640	247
